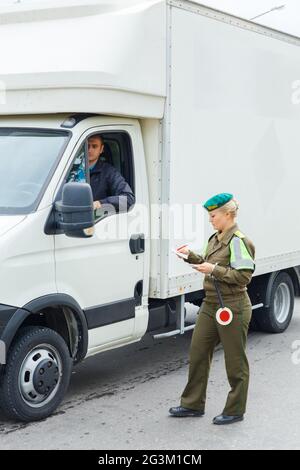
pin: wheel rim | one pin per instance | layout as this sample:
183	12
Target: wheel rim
282	302
40	375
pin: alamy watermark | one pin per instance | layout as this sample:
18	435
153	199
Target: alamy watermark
157	221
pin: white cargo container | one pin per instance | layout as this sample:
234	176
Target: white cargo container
190	102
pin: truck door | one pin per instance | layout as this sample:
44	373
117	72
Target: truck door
105	273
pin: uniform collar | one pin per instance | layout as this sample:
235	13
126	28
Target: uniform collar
226	236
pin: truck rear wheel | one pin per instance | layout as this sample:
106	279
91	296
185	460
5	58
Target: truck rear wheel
276	318
36	376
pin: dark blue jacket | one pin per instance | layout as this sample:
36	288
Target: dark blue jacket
108	185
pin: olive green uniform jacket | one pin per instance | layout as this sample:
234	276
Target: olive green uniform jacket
232	281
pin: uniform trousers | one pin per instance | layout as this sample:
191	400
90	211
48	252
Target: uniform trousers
208	333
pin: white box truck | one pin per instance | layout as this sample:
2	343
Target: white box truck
190	102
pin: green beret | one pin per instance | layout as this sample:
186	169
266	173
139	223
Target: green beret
217	201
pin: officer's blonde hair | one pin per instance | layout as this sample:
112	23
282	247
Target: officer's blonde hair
231	207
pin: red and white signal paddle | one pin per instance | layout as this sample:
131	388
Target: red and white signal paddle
224	315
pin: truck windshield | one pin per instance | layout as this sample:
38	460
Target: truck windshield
27	160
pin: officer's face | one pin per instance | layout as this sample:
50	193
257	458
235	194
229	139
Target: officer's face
95	148
220	220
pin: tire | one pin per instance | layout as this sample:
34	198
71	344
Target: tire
276	318
36	376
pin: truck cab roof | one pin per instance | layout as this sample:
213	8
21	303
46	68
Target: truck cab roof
84	57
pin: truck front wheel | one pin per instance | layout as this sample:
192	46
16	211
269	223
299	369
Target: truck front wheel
36	376
277	316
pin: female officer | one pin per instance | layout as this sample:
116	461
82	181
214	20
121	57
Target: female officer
228	264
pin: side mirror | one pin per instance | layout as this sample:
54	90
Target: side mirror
75	213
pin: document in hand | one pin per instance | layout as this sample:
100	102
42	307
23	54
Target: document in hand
181	255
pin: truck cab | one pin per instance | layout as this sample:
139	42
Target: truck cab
89	285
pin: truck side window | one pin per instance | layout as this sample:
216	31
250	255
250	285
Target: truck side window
77	173
118	154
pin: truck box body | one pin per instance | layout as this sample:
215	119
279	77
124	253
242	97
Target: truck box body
230	125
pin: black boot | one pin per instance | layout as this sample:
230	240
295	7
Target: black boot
181	412
224	419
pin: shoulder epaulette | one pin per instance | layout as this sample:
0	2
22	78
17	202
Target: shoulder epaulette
239	234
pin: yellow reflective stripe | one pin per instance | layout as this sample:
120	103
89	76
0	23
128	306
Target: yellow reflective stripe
240	257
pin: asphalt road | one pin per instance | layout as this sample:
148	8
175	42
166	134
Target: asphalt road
120	400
